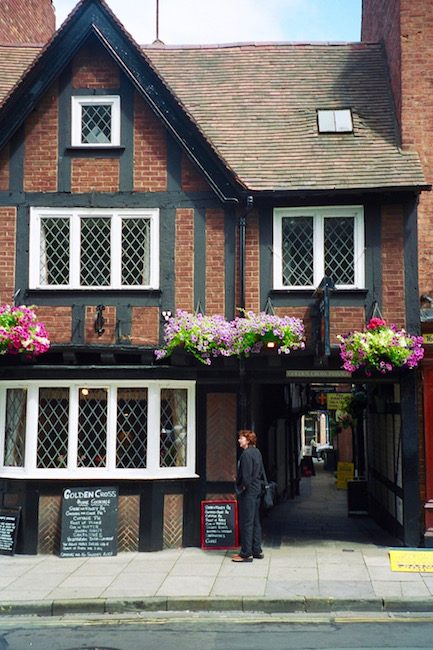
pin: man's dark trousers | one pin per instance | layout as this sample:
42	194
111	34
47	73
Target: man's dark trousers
249	524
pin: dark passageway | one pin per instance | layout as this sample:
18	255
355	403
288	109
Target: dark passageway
320	513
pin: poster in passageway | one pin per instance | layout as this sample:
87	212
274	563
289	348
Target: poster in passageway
9	522
219	525
89	522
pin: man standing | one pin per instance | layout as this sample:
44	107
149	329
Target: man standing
248	488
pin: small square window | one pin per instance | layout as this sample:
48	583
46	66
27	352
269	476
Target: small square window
335	121
95	121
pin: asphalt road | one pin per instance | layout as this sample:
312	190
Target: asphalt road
192	631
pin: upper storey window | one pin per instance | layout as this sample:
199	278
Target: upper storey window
84	248
95	121
335	121
310	243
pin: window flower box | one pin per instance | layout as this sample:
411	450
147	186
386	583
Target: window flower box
381	348
209	337
21	332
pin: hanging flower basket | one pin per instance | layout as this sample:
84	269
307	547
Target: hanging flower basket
209	337
20	332
380	348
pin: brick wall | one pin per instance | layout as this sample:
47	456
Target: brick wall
252	264
184	259
58	321
145	326
150	150
93	68
95	175
26	21
7	258
192	180
406	27
393	298
297	312
344	320
40	157
381	22
4	168
215	271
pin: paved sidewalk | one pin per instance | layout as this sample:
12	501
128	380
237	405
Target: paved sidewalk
316	559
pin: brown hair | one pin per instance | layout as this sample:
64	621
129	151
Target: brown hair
250	436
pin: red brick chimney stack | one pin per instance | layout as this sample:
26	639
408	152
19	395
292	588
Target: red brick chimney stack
26	21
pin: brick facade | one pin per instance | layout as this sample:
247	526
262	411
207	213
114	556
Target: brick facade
252	264
93	68
192	180
150	150
40	157
58	321
4	169
184	259
215	262
392	236
26	21
7	258
145	326
110	326
95	175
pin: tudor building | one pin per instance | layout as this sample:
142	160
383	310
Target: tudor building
137	181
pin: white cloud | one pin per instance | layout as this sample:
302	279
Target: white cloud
199	21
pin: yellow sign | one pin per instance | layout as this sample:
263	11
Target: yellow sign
337	401
345	472
412	561
427	339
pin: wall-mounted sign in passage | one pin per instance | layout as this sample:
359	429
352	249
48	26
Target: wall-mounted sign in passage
219	525
89	521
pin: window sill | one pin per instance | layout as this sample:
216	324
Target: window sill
308	293
100	151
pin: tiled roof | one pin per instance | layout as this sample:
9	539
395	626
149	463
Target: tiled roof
256	105
14	60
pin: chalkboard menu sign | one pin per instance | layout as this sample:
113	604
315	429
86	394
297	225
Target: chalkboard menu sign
219	524
89	522
9	522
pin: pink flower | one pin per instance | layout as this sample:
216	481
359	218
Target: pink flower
375	323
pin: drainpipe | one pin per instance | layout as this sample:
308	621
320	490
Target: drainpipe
242	254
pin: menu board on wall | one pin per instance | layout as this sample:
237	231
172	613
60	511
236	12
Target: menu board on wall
9	522
89	522
219	525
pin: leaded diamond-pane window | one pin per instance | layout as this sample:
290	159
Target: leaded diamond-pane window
297	244
54	251
135	251
173	427
82	247
95	121
96	124
15	427
92	427
53	427
310	243
95	251
339	250
131	445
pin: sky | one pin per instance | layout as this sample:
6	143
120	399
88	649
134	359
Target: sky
232	21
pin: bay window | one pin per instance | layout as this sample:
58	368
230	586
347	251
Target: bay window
98	429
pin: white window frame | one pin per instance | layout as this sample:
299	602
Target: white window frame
76	111
75	215
335	120
153	469
319	214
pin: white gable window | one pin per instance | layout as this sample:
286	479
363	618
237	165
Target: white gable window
95	121
104	248
310	243
335	121
85	429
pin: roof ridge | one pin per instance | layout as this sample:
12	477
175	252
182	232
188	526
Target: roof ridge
258	44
